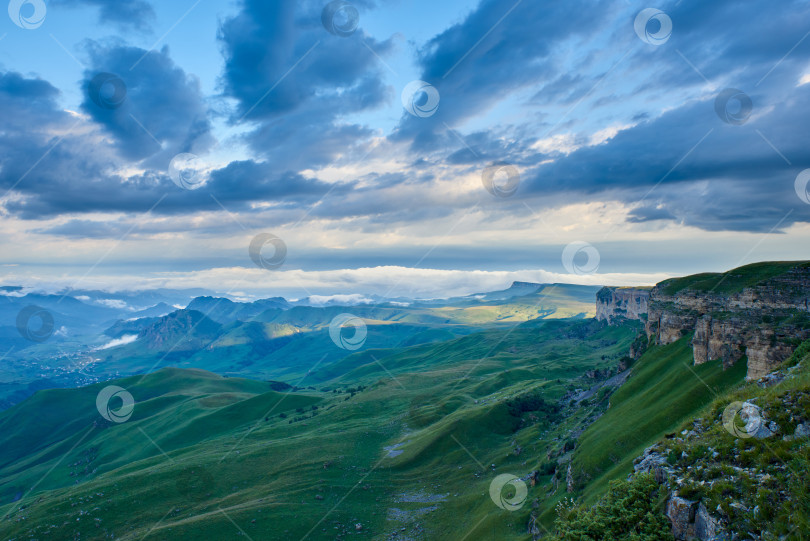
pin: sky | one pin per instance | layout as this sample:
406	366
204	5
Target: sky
398	147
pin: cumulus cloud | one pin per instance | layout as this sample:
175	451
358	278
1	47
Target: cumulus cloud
163	112
131	14
591	116
297	84
614	117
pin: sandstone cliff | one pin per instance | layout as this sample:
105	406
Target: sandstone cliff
759	311
614	303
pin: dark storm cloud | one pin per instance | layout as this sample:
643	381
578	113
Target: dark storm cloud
298	82
162	113
713	175
472	76
733	179
237	187
649	214
28	131
137	14
297	90
56	168
28	102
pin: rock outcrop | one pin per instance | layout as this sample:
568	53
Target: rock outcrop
691	520
765	321
614	303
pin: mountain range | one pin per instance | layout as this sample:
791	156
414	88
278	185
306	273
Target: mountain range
518	410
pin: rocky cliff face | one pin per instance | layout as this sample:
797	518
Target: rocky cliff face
180	331
765	321
621	302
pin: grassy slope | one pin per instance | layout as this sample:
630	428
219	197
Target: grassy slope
178	407
663	391
280	467
758	488
772	472
732	281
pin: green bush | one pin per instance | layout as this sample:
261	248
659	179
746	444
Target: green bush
628	511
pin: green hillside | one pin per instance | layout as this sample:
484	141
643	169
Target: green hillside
443	404
732	281
397	440
749	478
664	390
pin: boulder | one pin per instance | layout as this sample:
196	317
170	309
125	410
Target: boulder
691	520
681	513
653	462
708	528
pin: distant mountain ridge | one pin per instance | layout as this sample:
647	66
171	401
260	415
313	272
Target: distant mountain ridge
180	330
268	338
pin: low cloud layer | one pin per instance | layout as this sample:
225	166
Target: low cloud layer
338	284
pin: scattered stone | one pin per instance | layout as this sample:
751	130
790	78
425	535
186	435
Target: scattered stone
771	379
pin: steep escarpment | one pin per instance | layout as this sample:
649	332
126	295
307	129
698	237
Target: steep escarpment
758	311
723	459
614	303
732	473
